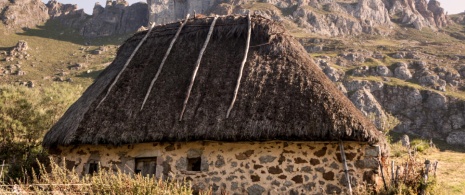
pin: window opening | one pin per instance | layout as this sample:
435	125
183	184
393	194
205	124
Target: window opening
193	164
146	166
93	168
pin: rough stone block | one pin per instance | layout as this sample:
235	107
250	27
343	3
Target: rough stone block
372	151
255	190
267	159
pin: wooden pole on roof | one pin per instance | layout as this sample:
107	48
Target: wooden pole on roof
163	61
236	90
346	169
127	63
197	65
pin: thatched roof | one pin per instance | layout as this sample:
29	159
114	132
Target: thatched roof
283	95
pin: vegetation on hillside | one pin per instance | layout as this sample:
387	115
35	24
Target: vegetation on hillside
27	113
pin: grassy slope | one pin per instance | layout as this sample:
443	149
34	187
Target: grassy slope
53	49
451	160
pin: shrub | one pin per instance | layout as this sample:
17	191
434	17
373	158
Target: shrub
25	115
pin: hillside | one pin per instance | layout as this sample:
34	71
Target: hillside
377	52
407	66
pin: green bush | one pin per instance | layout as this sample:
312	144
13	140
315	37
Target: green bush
26	114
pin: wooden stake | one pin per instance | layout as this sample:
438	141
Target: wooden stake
163	61
1	172
382	174
127	63
392	172
427	166
435	167
197	65
346	169
247	45
406	172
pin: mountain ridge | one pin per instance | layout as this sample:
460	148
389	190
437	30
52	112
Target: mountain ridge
386	64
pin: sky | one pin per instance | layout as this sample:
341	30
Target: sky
451	6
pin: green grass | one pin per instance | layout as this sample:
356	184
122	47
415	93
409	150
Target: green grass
52	49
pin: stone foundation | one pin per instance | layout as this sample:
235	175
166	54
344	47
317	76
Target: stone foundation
276	167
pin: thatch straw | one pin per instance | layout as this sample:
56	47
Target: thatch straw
283	94
239	78
163	61
197	66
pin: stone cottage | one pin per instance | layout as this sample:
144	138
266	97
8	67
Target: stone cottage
231	103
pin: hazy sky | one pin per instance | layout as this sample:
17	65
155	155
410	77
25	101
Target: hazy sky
452	6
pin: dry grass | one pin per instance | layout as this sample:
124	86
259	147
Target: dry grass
451	170
450	177
60	180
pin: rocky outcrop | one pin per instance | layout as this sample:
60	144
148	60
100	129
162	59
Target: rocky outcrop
117	17
459	18
418	13
369	106
67	14
410	89
19	14
325	17
334	18
421	112
402	72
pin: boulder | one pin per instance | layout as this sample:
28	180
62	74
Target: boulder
456	138
402	72
383	71
405	141
19	14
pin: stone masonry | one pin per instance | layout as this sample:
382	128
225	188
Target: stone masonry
273	167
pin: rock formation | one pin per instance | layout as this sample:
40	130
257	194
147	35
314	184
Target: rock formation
19	14
418	13
324	17
115	18
423	110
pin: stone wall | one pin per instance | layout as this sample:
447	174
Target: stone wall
247	167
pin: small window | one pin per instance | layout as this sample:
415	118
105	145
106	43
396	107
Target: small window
93	168
193	164
146	166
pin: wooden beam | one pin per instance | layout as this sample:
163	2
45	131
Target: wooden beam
127	63
247	46
147	94
346	169
197	65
